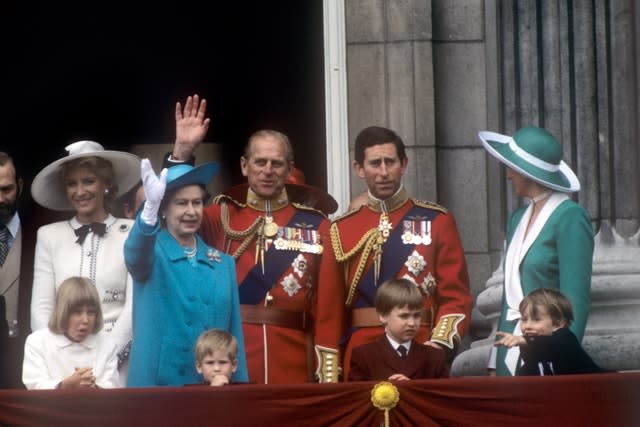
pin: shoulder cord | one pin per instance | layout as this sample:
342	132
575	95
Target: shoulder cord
371	240
247	234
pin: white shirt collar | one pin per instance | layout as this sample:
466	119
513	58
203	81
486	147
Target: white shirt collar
14	225
62	341
395	344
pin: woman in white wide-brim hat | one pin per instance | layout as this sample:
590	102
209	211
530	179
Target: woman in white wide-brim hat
90	244
549	242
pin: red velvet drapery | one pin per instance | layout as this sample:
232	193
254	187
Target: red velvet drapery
595	400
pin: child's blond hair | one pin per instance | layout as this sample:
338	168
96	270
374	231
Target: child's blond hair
74	293
214	340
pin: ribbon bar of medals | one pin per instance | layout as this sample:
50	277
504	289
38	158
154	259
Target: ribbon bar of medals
297	239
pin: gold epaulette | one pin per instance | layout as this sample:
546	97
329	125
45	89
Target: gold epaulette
224	197
347	214
430	205
308	208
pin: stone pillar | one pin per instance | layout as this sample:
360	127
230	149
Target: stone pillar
572	67
460	88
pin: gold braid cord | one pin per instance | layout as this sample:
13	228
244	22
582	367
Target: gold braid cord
248	234
369	241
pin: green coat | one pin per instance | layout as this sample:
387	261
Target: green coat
561	258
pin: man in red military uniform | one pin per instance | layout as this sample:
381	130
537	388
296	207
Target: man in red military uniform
396	236
285	266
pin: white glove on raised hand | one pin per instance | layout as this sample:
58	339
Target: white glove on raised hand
154	187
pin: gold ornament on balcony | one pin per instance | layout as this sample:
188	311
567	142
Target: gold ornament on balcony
385	396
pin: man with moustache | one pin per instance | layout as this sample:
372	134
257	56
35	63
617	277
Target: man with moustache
16	270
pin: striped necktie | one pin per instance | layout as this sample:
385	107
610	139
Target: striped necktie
403	351
4	243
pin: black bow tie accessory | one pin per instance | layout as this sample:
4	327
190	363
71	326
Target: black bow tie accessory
98	228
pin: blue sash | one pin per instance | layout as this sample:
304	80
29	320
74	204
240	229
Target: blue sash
394	255
255	285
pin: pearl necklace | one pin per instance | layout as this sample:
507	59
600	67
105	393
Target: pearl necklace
189	251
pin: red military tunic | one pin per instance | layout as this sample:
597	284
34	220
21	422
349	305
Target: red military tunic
422	245
305	283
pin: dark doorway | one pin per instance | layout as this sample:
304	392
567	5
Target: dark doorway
112	72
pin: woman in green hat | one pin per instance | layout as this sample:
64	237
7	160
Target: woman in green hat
549	242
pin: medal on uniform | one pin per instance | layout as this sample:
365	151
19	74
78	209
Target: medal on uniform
416	232
415	263
270	228
302	238
428	284
408	234
426	235
384	226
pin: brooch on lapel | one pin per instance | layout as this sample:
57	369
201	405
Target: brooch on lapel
213	255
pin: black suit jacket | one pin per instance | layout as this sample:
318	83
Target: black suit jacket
377	361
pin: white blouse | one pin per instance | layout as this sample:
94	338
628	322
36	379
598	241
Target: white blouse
49	358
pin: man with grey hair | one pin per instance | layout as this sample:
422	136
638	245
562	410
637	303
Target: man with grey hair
286	271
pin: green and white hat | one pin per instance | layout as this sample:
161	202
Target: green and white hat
534	153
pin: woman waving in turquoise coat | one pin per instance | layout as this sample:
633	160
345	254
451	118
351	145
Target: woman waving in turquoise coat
549	242
182	287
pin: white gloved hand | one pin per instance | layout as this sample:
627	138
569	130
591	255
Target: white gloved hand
154	187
